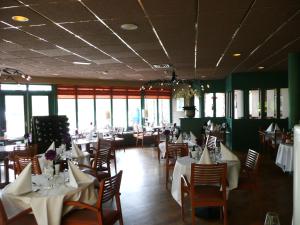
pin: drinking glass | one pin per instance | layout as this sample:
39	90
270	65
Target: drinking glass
272	219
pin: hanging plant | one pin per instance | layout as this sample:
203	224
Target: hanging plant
185	91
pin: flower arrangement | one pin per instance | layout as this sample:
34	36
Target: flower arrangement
50	155
186	91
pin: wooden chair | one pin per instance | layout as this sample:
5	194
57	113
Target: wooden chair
23	161
23	217
119	138
110	143
100	165
249	171
211	143
24	151
98	215
142	135
174	151
207	188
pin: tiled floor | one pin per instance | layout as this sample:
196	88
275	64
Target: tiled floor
146	201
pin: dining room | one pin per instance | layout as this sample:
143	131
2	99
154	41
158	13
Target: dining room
149	112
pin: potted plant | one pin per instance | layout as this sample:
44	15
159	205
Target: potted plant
187	92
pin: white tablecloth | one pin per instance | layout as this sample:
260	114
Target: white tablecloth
284	157
183	167
47	205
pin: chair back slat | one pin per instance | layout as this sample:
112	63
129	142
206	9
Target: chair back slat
208	174
109	188
102	158
176	150
23	161
252	159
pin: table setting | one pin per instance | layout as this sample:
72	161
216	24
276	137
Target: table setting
46	193
221	155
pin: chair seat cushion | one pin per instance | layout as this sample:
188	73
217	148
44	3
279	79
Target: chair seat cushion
205	193
88	217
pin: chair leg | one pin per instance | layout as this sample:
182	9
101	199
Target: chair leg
193	216
182	209
158	154
167	178
121	220
225	214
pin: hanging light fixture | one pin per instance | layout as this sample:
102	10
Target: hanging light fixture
12	74
180	87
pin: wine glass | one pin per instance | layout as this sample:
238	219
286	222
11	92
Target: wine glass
272	219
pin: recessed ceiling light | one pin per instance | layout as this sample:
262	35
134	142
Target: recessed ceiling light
203	76
55	74
260	67
141	79
82	63
162	66
20	18
129	26
236	54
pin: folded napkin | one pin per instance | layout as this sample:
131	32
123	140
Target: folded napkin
276	127
76	151
205	158
52	146
179	139
208	123
22	184
76	176
193	138
227	155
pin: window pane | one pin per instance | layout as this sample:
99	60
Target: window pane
197	105
208	108
119	113
14	114
254	104
220	105
40	88
13	87
270	103
40	105
238	104
134	112
85	114
164	111
67	107
179	104
103	113
150	113
284	103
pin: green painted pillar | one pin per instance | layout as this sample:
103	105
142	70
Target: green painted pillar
294	88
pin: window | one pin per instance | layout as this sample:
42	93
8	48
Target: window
254	104
284	103
134	112
238	104
14	114
103	113
179	104
197	105
39	88
119	113
164	111
270	103
220	105
67	107
150	112
40	105
208	105
85	114
13	87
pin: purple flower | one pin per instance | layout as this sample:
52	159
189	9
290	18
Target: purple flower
50	155
167	132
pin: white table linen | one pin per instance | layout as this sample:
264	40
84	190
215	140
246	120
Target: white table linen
284	158
183	167
47	204
162	147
